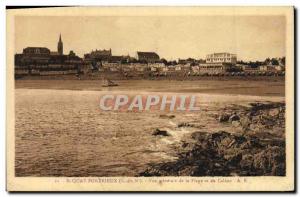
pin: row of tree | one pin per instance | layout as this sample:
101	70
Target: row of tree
267	61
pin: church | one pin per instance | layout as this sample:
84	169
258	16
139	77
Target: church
60	48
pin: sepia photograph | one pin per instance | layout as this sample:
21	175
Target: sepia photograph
150	99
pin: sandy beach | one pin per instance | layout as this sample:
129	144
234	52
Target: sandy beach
270	86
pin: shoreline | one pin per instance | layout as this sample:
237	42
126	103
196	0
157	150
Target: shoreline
232	87
158	78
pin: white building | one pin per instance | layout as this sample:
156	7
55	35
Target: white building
221	58
178	67
266	68
213	68
195	69
279	67
248	68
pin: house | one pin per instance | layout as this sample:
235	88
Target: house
110	66
33	55
118	59
249	69
149	57
171	68
267	68
102	55
178	67
165	69
279	68
153	69
195	69
186	66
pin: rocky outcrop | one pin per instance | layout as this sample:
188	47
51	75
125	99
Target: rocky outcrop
224	117
258	152
224	154
259	118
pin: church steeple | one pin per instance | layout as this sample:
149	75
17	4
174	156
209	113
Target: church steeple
60	46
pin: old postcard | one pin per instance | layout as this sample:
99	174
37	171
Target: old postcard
150	99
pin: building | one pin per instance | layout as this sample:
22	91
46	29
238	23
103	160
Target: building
187	61
119	59
195	69
33	55
267	68
221	58
98	55
250	69
155	67
149	57
280	67
178	67
97	58
214	68
36	51
42	61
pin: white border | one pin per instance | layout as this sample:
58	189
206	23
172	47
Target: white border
4	3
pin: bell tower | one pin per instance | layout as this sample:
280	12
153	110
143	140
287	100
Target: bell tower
60	47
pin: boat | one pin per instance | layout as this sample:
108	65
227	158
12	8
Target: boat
108	83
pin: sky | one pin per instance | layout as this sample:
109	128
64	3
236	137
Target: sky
172	37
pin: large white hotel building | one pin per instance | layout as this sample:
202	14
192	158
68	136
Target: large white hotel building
221	58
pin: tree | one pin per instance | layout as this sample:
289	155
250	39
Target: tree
274	61
267	61
283	60
163	60
173	62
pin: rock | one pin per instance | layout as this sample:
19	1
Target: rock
224	117
247	162
167	116
187	171
184	144
278	170
271	161
274	112
227	142
245	122
224	154
199	135
183	124
235	123
218	165
220	135
254	127
193	125
234	117
235	160
160	132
